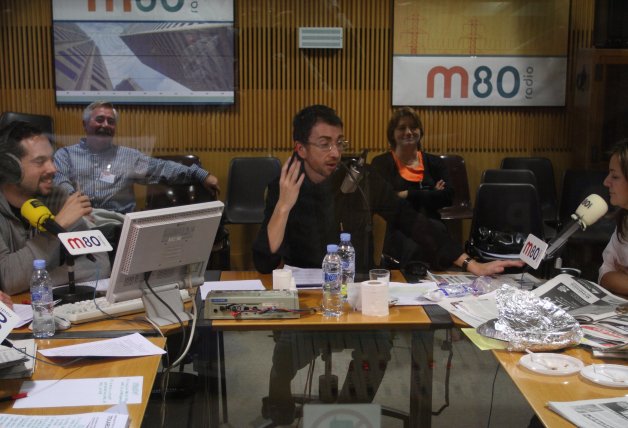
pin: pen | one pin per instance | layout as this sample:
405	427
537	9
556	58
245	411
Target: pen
13	397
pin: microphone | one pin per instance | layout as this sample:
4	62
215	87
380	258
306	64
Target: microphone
39	216
588	212
354	174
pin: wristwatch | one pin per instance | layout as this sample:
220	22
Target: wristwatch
465	263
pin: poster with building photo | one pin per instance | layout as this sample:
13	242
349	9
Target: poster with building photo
480	53
144	51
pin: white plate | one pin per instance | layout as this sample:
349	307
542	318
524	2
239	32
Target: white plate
551	364
598	373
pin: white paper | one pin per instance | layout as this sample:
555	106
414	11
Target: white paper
132	345
249	284
80	392
306	278
91	420
8	320
25	312
411	294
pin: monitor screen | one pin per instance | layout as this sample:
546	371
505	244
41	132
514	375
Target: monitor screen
170	245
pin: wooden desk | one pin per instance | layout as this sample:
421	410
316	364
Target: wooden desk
539	389
412	318
108	367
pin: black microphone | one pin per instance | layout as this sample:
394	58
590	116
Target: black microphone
354	174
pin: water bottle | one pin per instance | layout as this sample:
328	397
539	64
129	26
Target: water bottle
41	300
332	298
346	252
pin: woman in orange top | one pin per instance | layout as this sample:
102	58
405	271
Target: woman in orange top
417	176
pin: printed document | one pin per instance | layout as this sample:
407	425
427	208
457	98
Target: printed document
132	345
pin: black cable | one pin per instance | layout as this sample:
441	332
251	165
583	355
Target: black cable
490	409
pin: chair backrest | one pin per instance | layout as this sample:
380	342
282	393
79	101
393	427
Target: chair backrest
509	176
506	208
162	195
459	180
45	123
544	172
246	187
577	185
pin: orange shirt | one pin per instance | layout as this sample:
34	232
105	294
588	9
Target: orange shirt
414	174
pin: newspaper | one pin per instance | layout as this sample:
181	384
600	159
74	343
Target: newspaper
602	412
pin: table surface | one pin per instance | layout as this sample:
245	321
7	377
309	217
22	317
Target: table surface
538	389
106	367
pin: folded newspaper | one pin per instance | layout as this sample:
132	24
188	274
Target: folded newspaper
600	413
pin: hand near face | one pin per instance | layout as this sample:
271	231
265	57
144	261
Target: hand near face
76	206
290	184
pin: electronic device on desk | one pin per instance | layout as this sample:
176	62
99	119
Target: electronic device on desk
160	253
252	304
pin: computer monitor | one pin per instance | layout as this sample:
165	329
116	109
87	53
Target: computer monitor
168	247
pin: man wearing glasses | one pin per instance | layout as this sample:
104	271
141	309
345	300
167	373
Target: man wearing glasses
305	211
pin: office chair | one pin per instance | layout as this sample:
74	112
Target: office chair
45	123
461	207
544	173
246	187
504	215
584	248
509	176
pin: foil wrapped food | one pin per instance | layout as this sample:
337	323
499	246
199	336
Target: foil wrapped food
528	322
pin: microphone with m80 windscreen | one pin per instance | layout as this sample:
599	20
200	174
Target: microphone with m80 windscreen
39	216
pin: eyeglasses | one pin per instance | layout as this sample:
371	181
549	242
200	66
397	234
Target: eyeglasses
327	145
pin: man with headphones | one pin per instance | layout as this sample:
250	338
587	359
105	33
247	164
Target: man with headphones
106	172
26	172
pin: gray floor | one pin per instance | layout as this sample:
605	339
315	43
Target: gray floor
470	386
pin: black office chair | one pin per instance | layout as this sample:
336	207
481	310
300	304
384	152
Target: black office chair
45	123
544	173
461	207
504	215
246	187
509	176
584	248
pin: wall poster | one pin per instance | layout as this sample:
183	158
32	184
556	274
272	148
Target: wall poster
480	53
144	51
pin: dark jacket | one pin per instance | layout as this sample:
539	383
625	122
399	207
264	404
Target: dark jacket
321	209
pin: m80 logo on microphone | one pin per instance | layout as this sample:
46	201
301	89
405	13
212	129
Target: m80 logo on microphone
85	242
533	251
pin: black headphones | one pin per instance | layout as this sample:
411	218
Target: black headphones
10	165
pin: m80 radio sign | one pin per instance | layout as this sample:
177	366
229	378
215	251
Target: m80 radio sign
479	81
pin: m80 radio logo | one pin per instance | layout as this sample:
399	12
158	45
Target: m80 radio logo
479	81
139	5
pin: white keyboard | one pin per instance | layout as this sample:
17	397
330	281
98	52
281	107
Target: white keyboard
87	310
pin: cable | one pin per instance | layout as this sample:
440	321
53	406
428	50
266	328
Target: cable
490	410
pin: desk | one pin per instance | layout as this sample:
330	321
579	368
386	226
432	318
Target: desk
109	367
539	389
410	318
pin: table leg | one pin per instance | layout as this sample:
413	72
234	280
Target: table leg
421	378
208	370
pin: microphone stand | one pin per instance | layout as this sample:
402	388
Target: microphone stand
72	293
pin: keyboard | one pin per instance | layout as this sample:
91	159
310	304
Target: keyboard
87	310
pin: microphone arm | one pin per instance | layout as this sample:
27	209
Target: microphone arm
561	240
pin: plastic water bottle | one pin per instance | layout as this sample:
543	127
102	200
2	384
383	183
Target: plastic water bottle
332	298
41	300
346	252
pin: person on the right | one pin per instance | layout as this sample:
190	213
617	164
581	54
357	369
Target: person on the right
614	269
416	176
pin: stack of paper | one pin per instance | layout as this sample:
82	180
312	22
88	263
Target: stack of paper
15	364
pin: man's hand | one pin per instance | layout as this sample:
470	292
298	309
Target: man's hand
76	206
211	184
440	185
6	299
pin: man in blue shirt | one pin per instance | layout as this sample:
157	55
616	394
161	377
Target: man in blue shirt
106	172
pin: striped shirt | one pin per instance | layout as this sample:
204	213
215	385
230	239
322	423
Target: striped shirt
107	177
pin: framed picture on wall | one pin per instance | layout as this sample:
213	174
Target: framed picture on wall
144	51
480	53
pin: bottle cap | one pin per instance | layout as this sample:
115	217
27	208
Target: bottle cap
345	236
332	248
39	264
